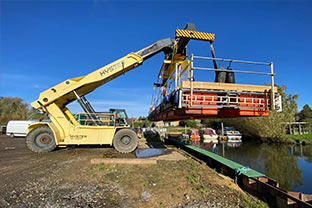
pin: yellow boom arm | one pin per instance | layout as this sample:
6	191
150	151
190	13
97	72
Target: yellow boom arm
63	94
67	91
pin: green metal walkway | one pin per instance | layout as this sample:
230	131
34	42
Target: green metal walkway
240	169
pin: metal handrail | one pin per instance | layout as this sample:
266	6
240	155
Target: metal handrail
237	71
272	74
232	60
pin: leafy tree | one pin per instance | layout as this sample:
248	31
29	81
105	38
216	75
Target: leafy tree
182	123
270	127
289	103
189	123
306	113
34	114
14	108
210	122
142	124
141	118
146	124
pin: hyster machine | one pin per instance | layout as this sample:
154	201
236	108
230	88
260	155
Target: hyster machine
110	128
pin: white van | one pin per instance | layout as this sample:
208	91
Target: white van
18	128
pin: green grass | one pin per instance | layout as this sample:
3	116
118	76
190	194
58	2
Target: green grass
307	138
248	201
101	167
93	175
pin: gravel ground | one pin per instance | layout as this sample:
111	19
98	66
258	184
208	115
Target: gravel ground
65	178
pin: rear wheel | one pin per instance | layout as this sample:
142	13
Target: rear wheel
125	141
12	135
40	140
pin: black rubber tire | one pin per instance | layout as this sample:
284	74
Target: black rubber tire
125	141
12	135
41	140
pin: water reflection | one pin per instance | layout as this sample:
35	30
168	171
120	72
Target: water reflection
150	152
233	144
290	165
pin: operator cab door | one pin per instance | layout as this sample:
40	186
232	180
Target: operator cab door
121	117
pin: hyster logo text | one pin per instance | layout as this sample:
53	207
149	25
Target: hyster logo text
112	68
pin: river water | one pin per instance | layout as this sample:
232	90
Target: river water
290	165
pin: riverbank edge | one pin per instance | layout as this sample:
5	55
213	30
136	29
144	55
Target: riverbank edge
305	139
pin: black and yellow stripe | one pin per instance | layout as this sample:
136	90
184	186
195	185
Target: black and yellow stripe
194	35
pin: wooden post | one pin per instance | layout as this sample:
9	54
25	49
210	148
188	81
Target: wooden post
222	135
300	129
223	152
289	124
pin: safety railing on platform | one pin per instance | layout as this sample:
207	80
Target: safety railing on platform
271	73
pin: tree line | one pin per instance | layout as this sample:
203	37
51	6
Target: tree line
14	108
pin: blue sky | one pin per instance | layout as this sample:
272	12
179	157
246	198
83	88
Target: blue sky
44	43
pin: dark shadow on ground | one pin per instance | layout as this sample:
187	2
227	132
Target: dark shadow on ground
153	139
106	151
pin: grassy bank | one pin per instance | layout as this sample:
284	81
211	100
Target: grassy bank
185	183
306	138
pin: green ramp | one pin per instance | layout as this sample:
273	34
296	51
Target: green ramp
238	168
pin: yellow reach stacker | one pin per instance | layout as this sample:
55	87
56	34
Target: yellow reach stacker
64	129
90	127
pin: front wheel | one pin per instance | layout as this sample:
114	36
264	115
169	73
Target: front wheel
125	141
40	140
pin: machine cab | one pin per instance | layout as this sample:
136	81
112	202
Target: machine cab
115	117
120	117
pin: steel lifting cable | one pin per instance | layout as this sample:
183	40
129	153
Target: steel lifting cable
169	86
154	97
153	94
